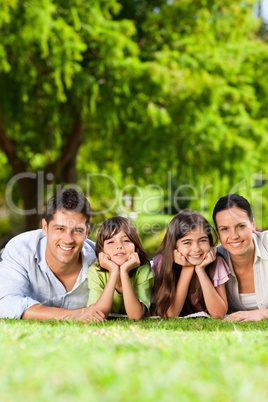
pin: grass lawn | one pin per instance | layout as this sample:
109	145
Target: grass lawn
121	360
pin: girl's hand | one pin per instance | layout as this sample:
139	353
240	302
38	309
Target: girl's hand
132	263
210	257
180	259
106	263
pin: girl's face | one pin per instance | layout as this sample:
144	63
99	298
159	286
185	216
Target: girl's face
119	248
235	231
194	246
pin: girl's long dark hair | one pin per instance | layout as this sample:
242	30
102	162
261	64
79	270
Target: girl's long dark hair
112	227
166	281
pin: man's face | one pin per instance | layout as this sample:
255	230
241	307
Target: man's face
66	234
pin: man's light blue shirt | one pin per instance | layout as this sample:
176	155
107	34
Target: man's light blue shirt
26	279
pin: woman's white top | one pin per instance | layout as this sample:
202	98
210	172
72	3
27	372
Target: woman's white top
249	301
260	269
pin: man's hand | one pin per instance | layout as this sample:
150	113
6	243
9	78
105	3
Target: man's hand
180	259
87	314
132	263
106	263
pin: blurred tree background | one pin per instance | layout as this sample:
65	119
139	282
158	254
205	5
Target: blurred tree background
146	106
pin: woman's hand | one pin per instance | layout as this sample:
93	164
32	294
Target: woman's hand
209	258
106	263
254	315
132	263
180	259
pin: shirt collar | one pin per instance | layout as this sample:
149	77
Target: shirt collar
260	251
87	252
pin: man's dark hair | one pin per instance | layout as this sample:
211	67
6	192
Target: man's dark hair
67	200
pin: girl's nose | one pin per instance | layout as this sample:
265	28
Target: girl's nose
196	247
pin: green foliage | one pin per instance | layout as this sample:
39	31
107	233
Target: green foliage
145	86
153	359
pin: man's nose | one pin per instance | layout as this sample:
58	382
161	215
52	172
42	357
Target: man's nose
68	236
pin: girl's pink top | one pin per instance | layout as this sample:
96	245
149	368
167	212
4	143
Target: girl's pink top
220	276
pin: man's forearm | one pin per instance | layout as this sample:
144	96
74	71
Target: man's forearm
40	312
43	313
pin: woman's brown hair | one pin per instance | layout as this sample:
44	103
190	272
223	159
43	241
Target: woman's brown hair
166	281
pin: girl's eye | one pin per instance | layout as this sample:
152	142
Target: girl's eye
127	241
187	243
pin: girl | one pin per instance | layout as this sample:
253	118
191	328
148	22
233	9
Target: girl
122	279
246	251
189	276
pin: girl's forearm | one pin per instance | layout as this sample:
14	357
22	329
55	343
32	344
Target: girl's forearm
181	292
216	303
134	308
105	301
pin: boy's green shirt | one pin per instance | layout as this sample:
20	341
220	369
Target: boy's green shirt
141	280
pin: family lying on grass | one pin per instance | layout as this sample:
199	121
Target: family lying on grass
55	272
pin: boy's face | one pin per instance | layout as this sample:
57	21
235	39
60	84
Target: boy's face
66	234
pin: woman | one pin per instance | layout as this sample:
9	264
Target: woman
246	251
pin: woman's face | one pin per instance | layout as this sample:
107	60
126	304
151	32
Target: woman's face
235	231
194	246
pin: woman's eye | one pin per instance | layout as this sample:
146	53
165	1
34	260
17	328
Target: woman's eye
223	229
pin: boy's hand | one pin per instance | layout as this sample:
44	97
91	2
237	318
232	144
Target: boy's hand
106	263
132	263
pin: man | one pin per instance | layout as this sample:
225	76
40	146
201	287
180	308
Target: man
43	272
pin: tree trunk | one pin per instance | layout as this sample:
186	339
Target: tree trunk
33	185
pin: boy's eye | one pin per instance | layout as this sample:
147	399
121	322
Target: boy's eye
204	240
109	241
